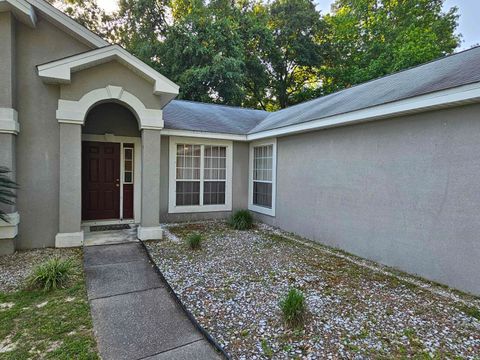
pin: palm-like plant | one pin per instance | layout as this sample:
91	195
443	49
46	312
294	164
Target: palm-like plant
7	194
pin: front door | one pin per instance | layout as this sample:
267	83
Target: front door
100	180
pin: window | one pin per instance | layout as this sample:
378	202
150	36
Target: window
200	175
262	177
128	163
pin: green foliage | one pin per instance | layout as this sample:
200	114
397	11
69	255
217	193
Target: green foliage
241	220
471	311
194	241
372	38
267	350
88	14
52	274
293	308
7	194
271	55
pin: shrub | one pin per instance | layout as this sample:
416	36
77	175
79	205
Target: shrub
52	274
194	241
293	308
241	220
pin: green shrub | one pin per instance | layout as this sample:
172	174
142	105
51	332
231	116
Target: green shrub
241	220
194	241
293	308
51	274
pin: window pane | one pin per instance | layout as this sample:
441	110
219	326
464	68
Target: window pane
187	193
128	177
215	162
128	165
262	194
188	162
214	192
262	163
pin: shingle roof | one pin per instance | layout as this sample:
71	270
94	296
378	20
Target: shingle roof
451	71
196	116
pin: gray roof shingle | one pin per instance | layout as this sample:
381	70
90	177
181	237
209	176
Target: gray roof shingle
451	71
448	72
196	116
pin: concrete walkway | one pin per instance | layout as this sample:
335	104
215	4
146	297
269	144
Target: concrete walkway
134	314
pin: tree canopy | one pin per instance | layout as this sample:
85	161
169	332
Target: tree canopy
274	54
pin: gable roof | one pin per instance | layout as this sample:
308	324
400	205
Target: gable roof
449	72
59	71
196	116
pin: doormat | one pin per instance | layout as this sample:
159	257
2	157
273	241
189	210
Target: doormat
109	227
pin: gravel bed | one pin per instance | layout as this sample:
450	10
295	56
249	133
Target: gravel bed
15	268
233	286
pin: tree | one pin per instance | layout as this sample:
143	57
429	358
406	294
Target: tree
372	38
202	52
7	194
296	52
139	27
88	14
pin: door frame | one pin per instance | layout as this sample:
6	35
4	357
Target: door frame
137	176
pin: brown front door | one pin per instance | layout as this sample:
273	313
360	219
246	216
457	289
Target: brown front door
100	180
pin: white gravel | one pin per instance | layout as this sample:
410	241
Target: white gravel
357	310
15	268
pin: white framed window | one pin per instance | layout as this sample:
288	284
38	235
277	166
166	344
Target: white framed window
262	176
200	175
128	163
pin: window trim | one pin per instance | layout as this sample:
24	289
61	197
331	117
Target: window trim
172	174
251	206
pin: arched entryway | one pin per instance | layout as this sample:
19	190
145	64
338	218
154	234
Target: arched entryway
111	165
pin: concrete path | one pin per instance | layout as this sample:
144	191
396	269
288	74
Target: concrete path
134	315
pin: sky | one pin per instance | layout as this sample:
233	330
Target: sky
468	23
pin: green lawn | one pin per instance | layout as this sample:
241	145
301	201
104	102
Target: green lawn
51	325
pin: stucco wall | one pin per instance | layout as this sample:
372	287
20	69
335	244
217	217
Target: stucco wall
239	185
7	60
404	192
111	73
38	142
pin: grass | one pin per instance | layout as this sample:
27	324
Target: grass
241	220
471	311
51	325
52	274
293	308
194	241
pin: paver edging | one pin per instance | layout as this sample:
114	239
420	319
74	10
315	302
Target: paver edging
190	316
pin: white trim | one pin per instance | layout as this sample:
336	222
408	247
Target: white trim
21	9
137	171
8	230
461	95
71	26
251	206
75	112
60	71
9	121
149	233
203	135
172	208
63	240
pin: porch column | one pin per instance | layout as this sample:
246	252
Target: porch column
149	228
70	196
9	126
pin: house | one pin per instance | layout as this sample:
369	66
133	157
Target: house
388	170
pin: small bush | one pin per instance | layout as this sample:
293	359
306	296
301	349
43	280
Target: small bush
194	241
293	308
52	274
241	220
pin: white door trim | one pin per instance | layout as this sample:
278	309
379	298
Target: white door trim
137	176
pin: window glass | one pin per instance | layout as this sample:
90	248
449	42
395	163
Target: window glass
189	168
128	164
262	175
